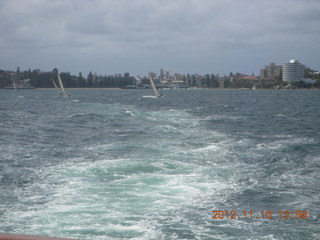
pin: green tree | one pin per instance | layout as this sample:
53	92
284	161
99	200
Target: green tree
90	80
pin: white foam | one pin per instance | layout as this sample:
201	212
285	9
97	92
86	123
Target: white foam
149	97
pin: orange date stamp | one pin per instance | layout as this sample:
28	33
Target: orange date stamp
219	214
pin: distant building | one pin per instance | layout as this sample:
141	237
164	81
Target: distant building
272	71
152	75
250	78
221	81
293	71
164	76
179	79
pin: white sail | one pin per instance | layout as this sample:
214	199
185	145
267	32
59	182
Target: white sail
54	84
63	92
254	87
156	93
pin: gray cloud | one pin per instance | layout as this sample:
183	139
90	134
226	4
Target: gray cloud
110	36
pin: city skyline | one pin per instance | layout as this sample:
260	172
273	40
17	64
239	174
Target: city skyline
137	36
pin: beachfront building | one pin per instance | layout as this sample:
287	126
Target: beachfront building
272	71
293	71
164	76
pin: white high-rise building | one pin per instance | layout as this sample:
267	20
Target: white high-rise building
293	71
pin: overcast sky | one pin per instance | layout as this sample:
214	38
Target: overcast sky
137	36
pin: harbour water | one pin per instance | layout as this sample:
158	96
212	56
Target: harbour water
112	164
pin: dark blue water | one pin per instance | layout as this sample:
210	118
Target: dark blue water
113	164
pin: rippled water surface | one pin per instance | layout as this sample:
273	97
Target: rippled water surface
113	164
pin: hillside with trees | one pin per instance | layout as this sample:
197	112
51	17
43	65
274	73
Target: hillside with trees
41	79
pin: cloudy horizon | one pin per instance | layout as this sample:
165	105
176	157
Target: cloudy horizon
137	36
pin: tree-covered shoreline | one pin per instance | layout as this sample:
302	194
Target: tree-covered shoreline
41	79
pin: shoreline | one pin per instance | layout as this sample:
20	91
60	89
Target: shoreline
182	89
79	88
171	89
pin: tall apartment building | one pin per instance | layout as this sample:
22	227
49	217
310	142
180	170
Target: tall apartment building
164	76
293	71
272	71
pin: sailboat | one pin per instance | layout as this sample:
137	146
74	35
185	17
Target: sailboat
155	91
254	87
55	86
62	91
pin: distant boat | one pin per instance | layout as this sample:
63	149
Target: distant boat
61	90
155	91
254	87
15	86
18	84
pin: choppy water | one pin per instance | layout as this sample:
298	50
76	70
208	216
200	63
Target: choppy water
110	164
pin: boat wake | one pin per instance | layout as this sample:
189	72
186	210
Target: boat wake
150	97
